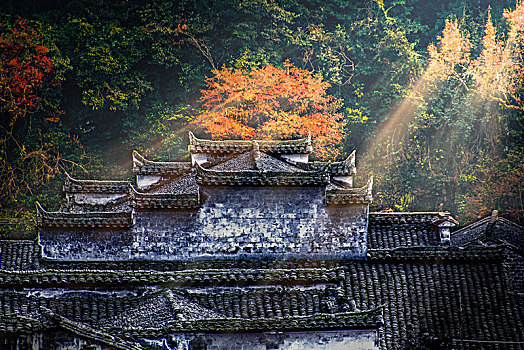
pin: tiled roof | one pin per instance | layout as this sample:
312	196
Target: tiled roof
19	255
391	230
13	323
256	160
407	286
173	278
258	178
143	166
351	195
81	306
22	313
93	334
442	253
492	228
163	200
157	310
179	185
84	219
459	300
94	186
302	146
460	293
343	320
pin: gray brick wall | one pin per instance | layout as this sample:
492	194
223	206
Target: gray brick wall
231	221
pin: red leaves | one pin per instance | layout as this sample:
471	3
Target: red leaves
272	103
25	69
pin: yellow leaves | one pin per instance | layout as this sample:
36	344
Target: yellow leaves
496	75
355	115
515	19
452	54
495	72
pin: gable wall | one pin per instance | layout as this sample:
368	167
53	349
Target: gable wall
231	221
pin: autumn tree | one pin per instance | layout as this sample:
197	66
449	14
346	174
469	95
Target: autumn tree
25	72
466	105
272	102
452	57
31	142
496	75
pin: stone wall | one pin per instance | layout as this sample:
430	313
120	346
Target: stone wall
232	221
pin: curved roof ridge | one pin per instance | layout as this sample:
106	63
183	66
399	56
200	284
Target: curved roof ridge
301	145
72	179
257	177
115	219
95	186
351	195
144	166
345	167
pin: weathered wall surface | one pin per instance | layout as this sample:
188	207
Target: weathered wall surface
332	340
56	340
231	221
326	340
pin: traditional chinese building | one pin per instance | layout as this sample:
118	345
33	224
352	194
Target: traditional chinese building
250	245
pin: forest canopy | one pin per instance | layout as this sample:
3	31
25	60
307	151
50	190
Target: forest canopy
429	93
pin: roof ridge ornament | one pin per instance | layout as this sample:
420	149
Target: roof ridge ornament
444	222
138	159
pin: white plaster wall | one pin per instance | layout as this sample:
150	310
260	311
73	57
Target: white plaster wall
94	198
146	181
346	179
297	158
198	158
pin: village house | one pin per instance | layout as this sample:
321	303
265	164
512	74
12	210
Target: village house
250	245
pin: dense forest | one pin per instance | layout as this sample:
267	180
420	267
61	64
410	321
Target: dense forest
429	93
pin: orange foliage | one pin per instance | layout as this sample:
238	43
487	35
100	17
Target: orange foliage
515	45
497	74
272	102
452	55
